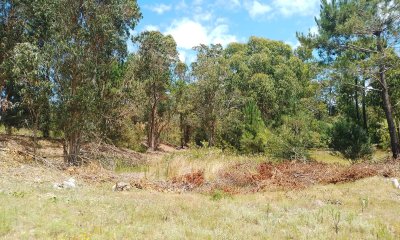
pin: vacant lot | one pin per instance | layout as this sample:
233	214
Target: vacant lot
30	208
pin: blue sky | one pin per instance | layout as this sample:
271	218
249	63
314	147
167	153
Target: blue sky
192	22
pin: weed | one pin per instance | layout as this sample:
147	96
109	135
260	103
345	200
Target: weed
364	202
17	194
218	195
382	232
5	224
336	215
320	216
268	210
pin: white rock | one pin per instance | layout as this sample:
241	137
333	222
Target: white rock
395	183
319	203
70	183
57	185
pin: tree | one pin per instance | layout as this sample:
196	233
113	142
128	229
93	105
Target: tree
364	26
152	68
35	87
89	37
253	139
11	33
351	140
210	70
182	101
269	73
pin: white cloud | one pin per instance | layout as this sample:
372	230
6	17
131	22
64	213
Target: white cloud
182	55
189	33
296	7
314	30
160	8
294	45
256	8
181	5
198	2
187	56
220	35
229	4
151	28
203	16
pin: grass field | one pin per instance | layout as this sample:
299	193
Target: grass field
366	209
30	208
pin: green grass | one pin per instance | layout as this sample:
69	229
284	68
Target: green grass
37	211
332	157
329	157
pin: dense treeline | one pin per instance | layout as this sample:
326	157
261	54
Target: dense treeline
65	72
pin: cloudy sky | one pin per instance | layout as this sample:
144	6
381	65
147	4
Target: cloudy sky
192	22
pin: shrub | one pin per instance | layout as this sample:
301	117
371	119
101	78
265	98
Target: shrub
351	140
296	135
254	134
383	135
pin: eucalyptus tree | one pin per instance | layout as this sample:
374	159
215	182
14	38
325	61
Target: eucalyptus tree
369	27
11	33
210	71
31	76
89	38
183	104
152	68
269	73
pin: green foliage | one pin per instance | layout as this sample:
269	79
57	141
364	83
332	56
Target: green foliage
254	133
351	140
383	134
211	71
293	139
151	71
218	195
358	38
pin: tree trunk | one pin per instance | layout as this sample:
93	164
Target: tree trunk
46	121
211	139
72	148
152	143
398	130
394	140
182	128
186	135
387	106
356	101
35	129
364	108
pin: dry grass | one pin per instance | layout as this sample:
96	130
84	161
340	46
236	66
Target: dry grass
366	209
30	208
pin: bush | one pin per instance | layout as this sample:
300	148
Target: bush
296	136
383	135
351	140
254	132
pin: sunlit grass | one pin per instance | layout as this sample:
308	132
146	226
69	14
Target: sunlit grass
210	161
329	157
332	157
37	211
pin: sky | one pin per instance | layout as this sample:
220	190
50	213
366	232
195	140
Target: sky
194	22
